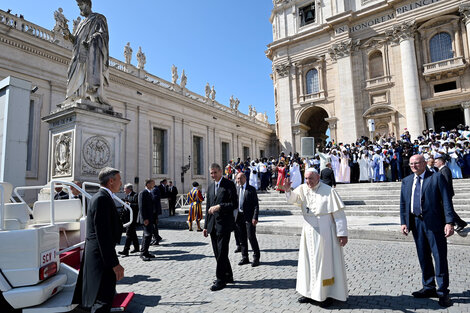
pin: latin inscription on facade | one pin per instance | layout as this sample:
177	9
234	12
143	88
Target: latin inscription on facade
384	18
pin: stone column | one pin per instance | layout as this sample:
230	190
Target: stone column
464	10
341	52
429	117
332	126
405	33
283	81
466	111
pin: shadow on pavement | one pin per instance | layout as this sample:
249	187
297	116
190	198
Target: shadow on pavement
136	278
140	302
281	263
187	244
281	283
184	257
164	252
279	250
188	303
403	303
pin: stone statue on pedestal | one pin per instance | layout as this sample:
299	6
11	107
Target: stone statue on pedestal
232	102
236	103
128	53
174	74
75	24
208	90
60	21
184	80
88	72
250	111
213	93
141	59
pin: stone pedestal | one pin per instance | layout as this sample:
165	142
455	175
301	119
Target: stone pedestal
84	137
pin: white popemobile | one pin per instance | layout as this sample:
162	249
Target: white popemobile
41	250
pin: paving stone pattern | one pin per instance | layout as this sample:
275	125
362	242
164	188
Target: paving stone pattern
381	277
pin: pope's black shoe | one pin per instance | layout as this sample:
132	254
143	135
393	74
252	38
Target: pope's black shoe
425	293
305	300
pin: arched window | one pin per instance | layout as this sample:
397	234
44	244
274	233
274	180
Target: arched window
440	46
312	81
376	65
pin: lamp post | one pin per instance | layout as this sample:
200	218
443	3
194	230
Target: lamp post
184	169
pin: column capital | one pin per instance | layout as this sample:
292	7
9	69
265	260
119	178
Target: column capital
429	110
465	104
282	70
343	49
332	121
403	31
464	10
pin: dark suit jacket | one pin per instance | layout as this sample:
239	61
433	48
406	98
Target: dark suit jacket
173	193
436	203
327	176
133	199
250	203
103	232
146	206
163	191
221	221
156	197
445	171
62	195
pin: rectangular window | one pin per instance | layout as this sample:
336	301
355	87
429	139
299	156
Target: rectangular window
307	14
445	86
197	156
159	151
246	153
29	154
225	153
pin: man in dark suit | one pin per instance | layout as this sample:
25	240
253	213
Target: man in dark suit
131	234
246	219
100	269
163	188
172	194
221	201
60	194
157	210
440	164
327	176
430	164
426	209
146	216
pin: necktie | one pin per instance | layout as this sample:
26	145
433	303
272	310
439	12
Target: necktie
240	201
216	187
417	197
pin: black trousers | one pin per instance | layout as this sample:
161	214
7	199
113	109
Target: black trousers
146	238
156	236
220	244
104	299
172	206
131	237
246	231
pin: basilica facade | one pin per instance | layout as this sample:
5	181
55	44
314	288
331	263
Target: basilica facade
339	65
164	130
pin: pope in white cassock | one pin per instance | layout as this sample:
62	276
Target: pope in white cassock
321	274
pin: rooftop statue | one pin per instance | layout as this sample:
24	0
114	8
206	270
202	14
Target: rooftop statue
88	71
213	93
208	90
184	80
174	74
141	59
128	53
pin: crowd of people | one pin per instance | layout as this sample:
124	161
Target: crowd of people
385	157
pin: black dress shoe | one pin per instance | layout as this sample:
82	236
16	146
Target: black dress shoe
124	252
243	261
135	251
425	293
217	286
327	303
255	263
445	301
460	226
238	249
144	258
304	300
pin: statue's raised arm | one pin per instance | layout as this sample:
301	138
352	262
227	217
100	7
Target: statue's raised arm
88	71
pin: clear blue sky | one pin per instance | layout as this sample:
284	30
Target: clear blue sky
216	41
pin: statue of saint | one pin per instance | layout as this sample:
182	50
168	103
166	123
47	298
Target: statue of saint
88	72
60	21
208	90
236	102
141	59
213	93
184	80
75	24
232	102
174	74
128	53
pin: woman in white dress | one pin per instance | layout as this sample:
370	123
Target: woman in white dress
254	180
364	165
295	177
334	163
344	169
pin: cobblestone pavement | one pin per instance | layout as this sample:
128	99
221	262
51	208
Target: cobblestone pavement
381	277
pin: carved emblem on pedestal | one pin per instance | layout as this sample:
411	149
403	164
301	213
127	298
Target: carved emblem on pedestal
96	154
62	165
